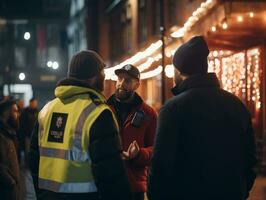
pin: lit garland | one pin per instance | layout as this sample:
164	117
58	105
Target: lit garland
169	71
192	20
253	77
109	72
231	69
146	65
196	15
152	73
235	77
233	74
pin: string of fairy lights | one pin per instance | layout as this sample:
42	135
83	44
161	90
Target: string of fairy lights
239	74
150	55
253	78
147	55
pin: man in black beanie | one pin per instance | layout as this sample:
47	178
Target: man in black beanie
76	150
204	147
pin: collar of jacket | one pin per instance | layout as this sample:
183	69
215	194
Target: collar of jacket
197	81
69	87
7	130
137	100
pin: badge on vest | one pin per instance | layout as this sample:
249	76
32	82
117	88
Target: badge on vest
57	127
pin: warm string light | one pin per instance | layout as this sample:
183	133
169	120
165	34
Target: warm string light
215	60
169	71
146	65
196	15
110	75
224	25
253	79
233	74
213	28
251	14
146	54
234	77
109	72
240	19
152	73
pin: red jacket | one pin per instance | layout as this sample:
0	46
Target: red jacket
144	135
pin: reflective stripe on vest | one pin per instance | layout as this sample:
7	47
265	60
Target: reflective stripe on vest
74	154
82	118
68	187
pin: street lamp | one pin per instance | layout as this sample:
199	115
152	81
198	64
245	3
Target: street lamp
22	76
26	35
52	64
49	64
55	65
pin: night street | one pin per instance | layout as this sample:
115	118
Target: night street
132	99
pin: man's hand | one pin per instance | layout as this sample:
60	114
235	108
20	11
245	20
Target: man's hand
132	151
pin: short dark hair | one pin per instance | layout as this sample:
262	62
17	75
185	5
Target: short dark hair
5	105
33	99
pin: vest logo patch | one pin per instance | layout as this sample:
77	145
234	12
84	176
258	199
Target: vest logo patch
57	127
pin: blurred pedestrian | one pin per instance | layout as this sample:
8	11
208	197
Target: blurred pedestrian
28	118
9	166
76	152
204	145
137	123
20	104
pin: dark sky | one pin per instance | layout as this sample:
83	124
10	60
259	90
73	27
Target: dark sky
34	9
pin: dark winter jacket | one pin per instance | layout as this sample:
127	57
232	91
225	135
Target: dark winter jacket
27	120
144	135
105	153
204	145
9	167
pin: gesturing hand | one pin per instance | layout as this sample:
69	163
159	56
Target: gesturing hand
132	151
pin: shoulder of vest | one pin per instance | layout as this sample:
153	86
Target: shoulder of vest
96	100
45	109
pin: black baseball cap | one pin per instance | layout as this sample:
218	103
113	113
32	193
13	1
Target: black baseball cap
129	69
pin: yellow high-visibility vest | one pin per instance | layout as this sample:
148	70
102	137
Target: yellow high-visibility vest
64	131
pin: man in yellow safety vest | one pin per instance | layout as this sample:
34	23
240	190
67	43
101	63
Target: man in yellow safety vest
75	151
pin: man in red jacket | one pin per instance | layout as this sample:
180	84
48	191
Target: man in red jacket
137	123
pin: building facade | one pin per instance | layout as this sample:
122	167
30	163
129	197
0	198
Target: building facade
129	32
33	49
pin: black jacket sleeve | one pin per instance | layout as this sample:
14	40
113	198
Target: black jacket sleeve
34	156
250	153
107	165
163	165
